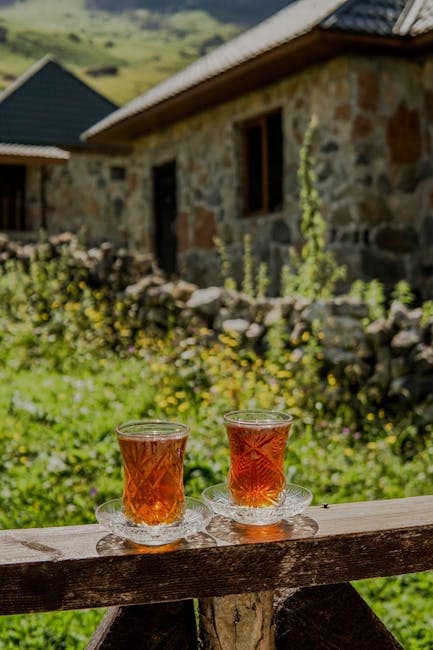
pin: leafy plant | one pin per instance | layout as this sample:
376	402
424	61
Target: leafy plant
403	293
225	264
373	294
248	265
314	271
427	311
262	281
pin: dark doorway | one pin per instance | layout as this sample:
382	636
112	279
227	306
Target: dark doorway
12	197
165	211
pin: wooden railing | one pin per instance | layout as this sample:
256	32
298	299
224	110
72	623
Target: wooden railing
283	586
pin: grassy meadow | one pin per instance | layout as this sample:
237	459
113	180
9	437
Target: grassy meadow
144	47
66	383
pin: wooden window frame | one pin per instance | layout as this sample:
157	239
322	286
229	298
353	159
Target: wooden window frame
260	120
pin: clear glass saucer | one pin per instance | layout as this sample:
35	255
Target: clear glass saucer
196	518
296	500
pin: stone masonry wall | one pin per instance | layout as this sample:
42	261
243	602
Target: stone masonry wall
375	175
81	194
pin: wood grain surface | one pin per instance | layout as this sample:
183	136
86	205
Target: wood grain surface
331	617
242	622
84	566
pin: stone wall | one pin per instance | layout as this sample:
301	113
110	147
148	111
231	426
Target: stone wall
81	194
375	175
391	357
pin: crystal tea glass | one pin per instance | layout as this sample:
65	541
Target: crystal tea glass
152	455
257	441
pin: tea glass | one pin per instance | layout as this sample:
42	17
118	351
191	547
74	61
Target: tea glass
152	455
257	441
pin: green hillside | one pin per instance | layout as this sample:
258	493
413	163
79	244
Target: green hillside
119	54
243	12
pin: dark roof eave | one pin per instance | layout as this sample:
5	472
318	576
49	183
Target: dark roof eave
313	47
10	159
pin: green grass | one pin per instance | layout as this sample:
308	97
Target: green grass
145	47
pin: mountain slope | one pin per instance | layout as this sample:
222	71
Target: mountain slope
243	12
121	53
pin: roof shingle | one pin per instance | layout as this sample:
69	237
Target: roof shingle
376	17
49	106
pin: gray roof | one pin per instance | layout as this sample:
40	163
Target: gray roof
396	18
377	17
48	105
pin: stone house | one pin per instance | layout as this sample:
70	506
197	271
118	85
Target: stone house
216	146
49	178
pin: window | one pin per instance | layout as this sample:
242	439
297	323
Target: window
118	173
263	164
12	197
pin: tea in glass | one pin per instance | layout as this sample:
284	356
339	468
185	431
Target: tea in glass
152	454
257	441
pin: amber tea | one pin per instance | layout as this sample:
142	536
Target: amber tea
257	441
152	455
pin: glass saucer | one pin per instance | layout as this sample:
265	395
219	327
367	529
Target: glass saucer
196	518
296	500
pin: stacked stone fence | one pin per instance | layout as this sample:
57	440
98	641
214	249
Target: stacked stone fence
101	266
393	356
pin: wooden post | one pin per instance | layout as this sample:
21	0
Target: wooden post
240	622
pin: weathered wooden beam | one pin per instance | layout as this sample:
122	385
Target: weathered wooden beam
82	567
327	618
238	622
165	626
